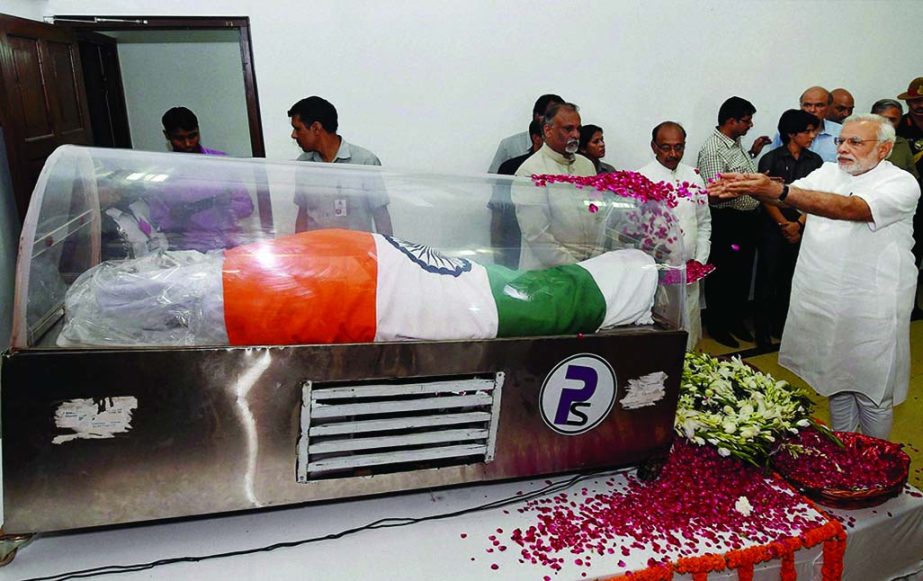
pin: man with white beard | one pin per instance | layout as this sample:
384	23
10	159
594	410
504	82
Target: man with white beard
848	328
556	228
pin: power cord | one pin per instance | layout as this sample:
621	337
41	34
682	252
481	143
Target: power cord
384	523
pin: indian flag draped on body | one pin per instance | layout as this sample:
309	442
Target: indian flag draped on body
341	286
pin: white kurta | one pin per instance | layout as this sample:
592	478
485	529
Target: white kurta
695	222
848	326
557	226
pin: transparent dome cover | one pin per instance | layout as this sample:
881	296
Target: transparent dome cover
125	248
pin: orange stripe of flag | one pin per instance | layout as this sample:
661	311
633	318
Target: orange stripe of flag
312	287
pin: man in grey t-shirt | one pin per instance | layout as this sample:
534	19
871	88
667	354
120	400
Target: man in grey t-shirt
349	200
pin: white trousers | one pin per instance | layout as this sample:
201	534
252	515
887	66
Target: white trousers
693	315
850	410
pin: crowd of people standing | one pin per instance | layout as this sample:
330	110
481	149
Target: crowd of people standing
826	219
842	190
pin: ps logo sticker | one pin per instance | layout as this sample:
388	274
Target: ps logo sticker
578	394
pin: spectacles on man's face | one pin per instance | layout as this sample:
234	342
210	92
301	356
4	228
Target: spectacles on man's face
667	148
851	141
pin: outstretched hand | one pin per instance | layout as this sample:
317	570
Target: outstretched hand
732	185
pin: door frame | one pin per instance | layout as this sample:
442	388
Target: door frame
240	23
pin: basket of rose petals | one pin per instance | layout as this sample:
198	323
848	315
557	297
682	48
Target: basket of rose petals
857	472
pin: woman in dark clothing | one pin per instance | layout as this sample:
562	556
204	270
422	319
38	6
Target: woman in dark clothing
593	147
781	228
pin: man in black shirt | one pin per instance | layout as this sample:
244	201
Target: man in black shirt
780	228
509	167
505	235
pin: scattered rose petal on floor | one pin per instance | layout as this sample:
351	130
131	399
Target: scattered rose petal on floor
694	481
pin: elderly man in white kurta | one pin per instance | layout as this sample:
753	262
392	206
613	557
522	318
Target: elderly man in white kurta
557	227
848	327
668	141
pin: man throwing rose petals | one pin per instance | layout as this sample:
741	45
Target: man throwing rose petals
848	328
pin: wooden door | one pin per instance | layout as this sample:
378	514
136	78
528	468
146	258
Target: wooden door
42	98
102	77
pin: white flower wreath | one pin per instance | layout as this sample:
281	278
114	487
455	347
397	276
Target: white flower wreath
739	410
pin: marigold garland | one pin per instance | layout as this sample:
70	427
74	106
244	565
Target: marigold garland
745	573
784	547
833	558
788	572
702	564
832	534
747	557
820	534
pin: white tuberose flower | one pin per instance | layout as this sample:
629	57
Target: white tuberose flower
743	506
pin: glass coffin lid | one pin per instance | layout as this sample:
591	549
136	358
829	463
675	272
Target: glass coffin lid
132	249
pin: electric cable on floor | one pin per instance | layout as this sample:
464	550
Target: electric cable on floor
389	522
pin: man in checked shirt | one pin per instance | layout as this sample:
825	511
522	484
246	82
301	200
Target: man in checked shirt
734	223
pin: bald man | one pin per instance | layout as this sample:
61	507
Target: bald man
817	101
841	105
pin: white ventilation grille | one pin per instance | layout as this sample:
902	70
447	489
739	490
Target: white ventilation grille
359	430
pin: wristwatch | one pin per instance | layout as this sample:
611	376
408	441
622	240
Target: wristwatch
784	193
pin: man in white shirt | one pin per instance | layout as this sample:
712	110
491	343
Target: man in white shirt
847	333
557	227
521	143
668	141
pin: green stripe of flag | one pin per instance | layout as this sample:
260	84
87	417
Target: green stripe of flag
558	300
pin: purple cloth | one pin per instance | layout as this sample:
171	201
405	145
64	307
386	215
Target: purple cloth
196	214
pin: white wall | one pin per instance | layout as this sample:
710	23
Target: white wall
435	84
163	70
31	9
